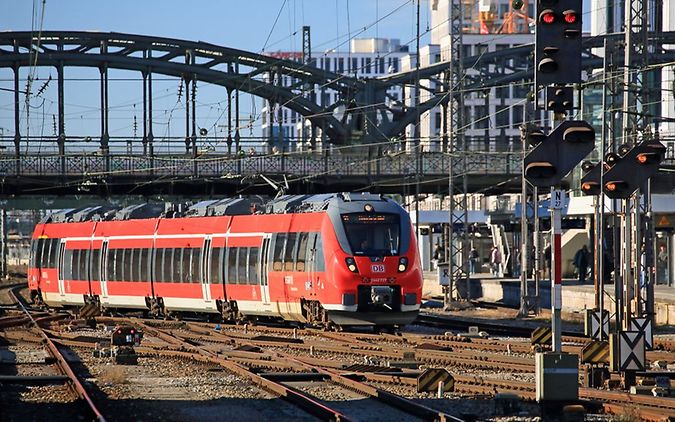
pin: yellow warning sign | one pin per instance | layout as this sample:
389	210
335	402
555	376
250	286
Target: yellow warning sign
663	221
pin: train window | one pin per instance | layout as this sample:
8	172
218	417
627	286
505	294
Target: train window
242	266
53	252
278	255
68	264
163	261
127	264
157	264
232	265
196	267
119	264
136	270
75	265
289	253
196	273
167	265
79	265
188	269
84	264
319	264
110	265
216	265
177	261
302	252
253	263
94	264
36	246
144	274
372	234
46	257
130	264
185	266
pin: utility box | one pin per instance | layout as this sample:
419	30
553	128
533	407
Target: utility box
557	377
443	272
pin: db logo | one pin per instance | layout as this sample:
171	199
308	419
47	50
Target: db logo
378	268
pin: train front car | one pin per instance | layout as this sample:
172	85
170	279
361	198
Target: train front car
372	263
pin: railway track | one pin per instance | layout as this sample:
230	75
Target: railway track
53	360
309	368
304	371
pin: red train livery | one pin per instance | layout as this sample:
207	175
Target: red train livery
345	259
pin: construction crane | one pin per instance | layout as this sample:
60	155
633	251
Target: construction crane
516	20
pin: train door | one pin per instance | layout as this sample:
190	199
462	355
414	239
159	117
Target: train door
62	269
311	269
265	260
206	269
316	261
103	269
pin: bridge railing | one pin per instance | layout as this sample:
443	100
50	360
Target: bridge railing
293	164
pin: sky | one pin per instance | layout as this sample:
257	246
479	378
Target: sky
233	23
258	25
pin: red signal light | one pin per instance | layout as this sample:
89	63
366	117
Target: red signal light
570	17
548	17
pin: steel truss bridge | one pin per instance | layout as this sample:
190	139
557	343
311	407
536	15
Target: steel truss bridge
370	121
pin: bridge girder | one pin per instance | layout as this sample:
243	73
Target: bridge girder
147	53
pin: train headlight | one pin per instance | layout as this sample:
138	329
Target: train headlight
402	264
351	265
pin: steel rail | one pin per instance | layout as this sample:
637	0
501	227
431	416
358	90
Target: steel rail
74	382
385	397
304	402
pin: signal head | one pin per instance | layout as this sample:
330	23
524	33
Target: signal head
587	166
590	188
615	186
540	170
547	16
648	158
624	148
611	159
535	137
570	16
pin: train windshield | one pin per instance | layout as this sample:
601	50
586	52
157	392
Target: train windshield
372	234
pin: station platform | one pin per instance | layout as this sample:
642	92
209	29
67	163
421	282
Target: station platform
576	297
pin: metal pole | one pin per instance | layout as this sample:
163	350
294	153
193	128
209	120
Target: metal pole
524	250
3	243
418	141
556	274
626	264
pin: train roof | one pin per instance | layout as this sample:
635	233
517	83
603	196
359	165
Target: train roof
286	204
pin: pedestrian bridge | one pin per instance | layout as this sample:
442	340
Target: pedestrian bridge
218	174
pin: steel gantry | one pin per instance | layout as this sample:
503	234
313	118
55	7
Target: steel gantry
458	233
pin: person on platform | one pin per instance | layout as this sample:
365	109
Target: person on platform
662	265
473	259
496	261
439	254
581	261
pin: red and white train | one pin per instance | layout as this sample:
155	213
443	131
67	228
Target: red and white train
344	259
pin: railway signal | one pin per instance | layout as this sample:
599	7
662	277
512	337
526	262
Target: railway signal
557	154
558	42
626	171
